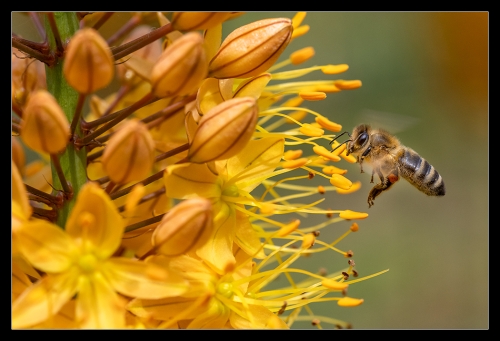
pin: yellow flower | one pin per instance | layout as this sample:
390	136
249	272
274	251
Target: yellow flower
79	261
215	300
238	298
236	178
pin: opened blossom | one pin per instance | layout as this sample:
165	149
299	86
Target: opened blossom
79	261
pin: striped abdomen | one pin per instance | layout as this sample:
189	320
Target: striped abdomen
420	173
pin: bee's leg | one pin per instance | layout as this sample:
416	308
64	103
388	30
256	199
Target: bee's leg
373	172
384	185
360	161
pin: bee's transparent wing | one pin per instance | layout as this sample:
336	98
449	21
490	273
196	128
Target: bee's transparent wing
391	122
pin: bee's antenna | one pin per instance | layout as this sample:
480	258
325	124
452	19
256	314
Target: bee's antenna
345	132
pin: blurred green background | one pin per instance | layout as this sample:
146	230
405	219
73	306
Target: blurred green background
425	78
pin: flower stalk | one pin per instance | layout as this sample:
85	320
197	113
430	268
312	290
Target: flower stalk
73	162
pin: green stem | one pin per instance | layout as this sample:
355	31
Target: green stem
73	161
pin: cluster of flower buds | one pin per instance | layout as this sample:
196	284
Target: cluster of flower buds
156	145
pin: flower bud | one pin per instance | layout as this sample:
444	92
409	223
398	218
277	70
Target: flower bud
129	155
181	67
89	65
251	49
44	127
191	21
185	227
28	75
224	130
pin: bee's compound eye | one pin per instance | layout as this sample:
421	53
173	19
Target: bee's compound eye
362	139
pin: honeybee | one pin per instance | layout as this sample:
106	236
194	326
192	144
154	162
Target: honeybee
389	160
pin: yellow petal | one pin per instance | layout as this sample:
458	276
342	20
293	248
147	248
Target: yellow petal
246	237
215	317
253	87
18	155
262	318
200	276
43	299
191	181
98	305
20	281
142	279
255	162
209	95
218	251
45	245
165	308
19	194
105	229
213	39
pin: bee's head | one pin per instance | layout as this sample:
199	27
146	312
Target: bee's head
359	139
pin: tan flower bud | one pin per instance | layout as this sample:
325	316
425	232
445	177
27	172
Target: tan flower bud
224	130
190	21
89	65
44	127
129	154
181	67
28	75
251	49
185	227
